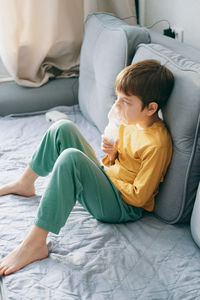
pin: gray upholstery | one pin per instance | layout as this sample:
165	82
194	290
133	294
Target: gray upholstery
182	116
185	50
108	46
18	99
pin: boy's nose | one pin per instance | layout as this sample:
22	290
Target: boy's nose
118	102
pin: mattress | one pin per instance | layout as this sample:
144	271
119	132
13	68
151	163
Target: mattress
147	259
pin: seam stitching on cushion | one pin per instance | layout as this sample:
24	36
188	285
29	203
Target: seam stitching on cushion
170	60
185	191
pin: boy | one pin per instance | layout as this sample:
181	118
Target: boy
137	163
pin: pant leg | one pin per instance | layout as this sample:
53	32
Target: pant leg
60	136
77	177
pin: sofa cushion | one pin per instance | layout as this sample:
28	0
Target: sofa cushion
108	47
175	200
15	99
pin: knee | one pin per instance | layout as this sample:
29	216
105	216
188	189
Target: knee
70	157
63	126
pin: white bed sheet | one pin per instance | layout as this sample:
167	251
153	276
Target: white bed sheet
147	259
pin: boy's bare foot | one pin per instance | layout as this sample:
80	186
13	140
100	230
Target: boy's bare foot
18	188
23	255
24	186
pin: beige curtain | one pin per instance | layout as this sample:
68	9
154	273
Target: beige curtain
40	39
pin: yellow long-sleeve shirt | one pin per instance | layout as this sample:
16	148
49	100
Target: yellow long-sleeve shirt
143	158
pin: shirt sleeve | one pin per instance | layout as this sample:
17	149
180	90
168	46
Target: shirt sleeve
151	173
106	161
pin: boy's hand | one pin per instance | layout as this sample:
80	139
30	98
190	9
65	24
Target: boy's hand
111	148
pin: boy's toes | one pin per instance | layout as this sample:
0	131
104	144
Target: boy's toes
3	269
8	271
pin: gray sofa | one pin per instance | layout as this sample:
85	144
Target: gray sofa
108	46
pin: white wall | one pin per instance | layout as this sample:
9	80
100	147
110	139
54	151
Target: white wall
180	13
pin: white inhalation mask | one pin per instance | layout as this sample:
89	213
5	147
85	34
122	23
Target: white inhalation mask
111	131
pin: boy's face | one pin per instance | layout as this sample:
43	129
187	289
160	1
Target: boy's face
130	109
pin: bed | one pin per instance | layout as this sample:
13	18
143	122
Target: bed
147	259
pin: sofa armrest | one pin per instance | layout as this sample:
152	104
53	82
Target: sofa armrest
56	92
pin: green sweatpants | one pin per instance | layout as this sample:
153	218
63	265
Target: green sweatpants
76	175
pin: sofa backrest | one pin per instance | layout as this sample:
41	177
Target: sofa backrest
108	46
175	200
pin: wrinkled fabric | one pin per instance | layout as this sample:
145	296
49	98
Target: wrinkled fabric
147	259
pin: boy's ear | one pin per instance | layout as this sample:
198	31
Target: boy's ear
152	108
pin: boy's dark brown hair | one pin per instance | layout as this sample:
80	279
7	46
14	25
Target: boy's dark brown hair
148	80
